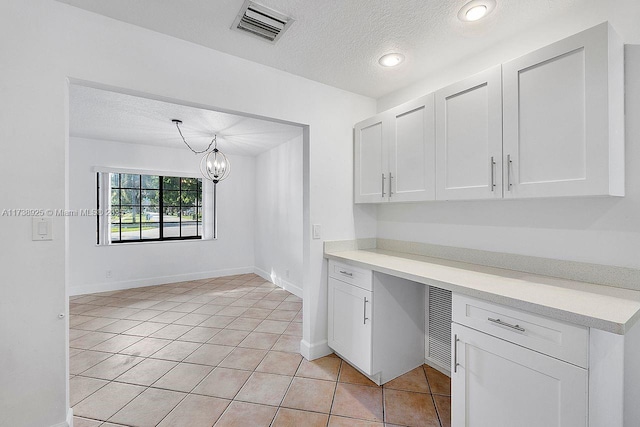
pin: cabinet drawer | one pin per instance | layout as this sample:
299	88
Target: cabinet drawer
357	276
555	338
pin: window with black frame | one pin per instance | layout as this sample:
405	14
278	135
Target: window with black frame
153	208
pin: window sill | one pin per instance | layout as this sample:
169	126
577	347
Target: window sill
111	245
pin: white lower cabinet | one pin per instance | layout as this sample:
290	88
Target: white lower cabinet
500	376
349	326
500	384
375	321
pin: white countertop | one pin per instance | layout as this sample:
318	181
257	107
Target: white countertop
602	307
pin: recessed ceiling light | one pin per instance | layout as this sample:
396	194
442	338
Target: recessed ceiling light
476	9
391	59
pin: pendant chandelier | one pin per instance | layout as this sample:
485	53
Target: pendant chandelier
214	166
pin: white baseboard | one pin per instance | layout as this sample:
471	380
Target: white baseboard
315	350
287	286
437	366
129	284
260	272
68	422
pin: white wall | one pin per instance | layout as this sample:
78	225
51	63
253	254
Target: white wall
596	230
278	219
42	43
143	264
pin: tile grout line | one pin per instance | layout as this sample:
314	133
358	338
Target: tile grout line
288	321
335	390
286	392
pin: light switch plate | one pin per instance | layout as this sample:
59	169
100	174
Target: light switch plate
317	231
41	228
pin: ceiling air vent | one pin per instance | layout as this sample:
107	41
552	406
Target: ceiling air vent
261	22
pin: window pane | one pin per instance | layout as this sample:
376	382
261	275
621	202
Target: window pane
189	214
150	222
189	222
129	181
150	230
189	228
171	198
115	233
115	180
171	218
189	184
150	197
130	223
151	182
130	197
189	198
170	183
130	215
115	197
151	214
114	220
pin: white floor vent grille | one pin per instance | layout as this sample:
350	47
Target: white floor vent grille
438	327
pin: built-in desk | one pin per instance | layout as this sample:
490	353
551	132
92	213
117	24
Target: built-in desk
542	345
595	306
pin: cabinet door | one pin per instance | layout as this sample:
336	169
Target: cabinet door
469	138
557	119
370	162
500	384
350	323
412	151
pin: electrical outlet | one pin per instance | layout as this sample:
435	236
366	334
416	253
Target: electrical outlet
286	273
108	274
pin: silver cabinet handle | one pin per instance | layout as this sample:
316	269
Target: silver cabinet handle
390	186
508	325
493	180
383	178
364	322
455	353
346	273
509	172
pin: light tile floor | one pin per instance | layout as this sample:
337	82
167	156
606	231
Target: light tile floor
225	352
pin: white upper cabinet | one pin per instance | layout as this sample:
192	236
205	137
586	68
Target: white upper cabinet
469	138
412	152
370	155
564	118
548	124
395	155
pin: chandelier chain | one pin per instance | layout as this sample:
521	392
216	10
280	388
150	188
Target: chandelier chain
187	144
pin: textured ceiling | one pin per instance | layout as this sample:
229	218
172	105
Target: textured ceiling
112	116
339	42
